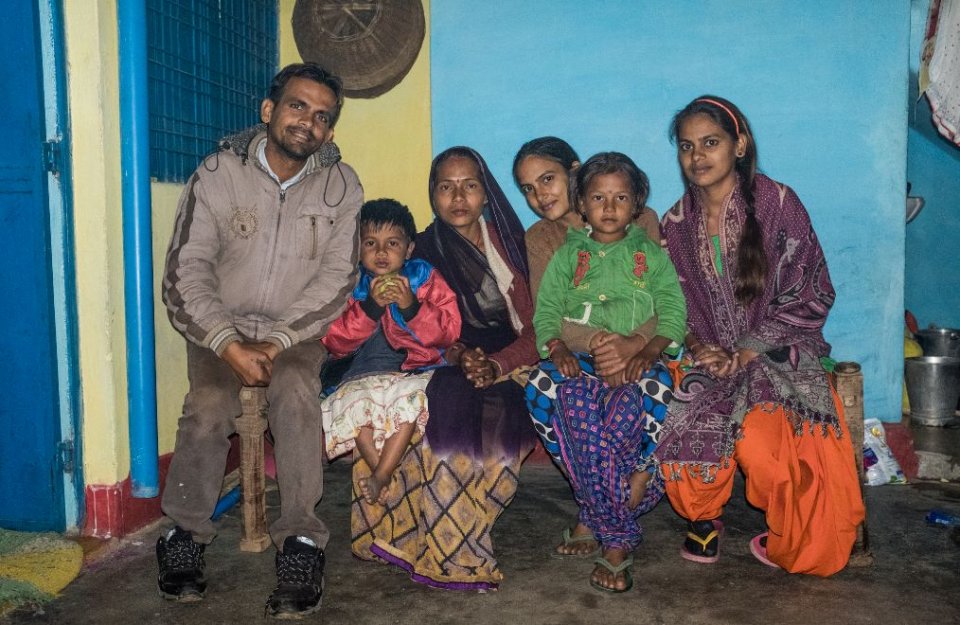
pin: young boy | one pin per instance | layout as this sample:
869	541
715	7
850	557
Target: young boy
400	318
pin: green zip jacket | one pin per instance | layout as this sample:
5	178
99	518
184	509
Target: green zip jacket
614	286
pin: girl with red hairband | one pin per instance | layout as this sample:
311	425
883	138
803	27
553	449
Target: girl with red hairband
753	392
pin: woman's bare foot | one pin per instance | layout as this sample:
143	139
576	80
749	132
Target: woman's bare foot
606	578
638	487
374	489
581	542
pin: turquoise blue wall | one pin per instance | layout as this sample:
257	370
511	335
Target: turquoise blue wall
932	290
610	75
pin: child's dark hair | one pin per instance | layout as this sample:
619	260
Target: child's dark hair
386	212
550	148
612	163
751	260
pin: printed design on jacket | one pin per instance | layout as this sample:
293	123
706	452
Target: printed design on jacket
639	264
583	266
244	223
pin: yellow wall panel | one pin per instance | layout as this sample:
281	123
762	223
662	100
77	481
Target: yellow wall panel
386	139
171	351
91	43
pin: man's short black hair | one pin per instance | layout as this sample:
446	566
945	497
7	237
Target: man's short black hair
313	72
386	212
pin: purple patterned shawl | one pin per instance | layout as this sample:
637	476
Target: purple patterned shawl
784	324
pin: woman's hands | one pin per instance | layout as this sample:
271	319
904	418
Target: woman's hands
645	358
720	362
612	352
564	360
474	363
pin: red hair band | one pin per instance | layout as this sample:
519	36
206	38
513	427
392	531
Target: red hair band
736	124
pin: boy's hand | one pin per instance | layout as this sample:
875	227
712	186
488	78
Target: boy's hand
400	292
564	360
392	289
379	288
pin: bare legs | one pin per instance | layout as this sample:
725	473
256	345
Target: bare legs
638	486
382	464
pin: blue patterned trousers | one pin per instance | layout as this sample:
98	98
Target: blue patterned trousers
600	436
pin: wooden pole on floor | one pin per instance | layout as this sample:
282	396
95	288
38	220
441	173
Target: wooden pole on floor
850	389
251	424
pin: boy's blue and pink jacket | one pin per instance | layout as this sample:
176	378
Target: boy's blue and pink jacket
425	336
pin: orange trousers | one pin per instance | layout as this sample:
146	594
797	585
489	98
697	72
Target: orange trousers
806	485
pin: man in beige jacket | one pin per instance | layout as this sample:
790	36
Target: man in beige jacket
262	259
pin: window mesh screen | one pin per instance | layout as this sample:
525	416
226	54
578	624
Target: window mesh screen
209	65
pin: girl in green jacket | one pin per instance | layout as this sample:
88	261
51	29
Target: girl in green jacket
602	431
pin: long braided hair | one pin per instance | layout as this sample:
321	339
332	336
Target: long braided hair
751	259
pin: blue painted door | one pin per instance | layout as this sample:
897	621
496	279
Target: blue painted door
31	479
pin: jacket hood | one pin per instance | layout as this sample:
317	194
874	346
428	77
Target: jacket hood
244	142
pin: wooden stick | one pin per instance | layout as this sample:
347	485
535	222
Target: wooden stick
251	424
849	380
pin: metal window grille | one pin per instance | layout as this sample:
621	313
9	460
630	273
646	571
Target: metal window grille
209	65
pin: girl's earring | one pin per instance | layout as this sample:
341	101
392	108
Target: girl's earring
741	154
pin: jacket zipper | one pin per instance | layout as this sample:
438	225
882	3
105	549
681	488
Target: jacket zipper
313	228
273	252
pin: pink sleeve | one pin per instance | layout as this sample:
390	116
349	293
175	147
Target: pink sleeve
348	331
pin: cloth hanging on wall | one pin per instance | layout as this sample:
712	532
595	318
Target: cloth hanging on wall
940	67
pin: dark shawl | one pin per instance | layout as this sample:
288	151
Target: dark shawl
478	421
784	324
465	267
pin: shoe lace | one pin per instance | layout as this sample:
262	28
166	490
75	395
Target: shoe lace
183	553
295	569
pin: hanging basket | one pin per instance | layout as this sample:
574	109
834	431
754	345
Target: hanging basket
370	45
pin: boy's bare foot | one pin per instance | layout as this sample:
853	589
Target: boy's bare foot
638	486
579	543
373	489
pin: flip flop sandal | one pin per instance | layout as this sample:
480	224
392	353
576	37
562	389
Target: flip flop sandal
703	541
570	540
758	547
623	567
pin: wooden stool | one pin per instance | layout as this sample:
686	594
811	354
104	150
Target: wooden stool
251	424
849	383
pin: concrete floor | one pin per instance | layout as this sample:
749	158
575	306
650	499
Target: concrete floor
915	577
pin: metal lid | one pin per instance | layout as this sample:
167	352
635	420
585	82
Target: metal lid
951	333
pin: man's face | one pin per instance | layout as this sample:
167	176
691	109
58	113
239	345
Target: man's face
299	123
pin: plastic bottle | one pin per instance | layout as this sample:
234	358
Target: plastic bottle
942	518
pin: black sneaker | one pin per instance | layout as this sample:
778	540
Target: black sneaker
181	563
299	579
